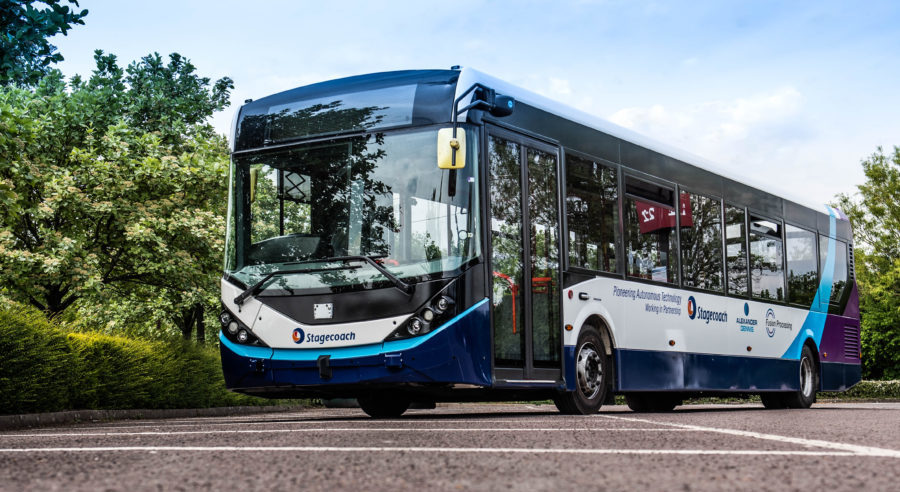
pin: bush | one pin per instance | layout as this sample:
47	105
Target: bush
871	390
46	368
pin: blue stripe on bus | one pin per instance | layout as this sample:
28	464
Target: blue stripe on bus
814	324
245	350
342	352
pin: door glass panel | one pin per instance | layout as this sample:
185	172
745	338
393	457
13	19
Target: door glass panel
506	256
544	224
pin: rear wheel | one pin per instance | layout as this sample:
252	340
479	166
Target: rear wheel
652	402
809	382
591	376
384	406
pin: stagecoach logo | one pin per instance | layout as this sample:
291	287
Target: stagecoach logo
695	311
746	323
298	335
772	323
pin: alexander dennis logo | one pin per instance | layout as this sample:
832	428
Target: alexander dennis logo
298	335
695	311
747	323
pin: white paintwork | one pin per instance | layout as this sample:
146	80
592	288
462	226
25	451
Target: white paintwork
634	327
276	330
469	76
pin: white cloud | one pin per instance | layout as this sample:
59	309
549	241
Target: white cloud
767	137
744	131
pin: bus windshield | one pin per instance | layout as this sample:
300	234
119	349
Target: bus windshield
379	195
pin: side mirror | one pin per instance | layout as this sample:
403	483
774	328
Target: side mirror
254	177
451	151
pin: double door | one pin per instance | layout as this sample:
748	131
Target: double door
525	258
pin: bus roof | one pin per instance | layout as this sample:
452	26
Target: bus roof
469	76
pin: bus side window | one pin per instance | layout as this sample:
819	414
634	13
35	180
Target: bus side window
651	251
736	250
839	275
701	242
767	259
801	262
592	214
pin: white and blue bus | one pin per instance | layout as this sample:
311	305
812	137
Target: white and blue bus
441	235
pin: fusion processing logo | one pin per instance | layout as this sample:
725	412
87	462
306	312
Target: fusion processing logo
697	312
298	335
770	322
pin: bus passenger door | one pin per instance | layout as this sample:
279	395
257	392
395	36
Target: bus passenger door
525	299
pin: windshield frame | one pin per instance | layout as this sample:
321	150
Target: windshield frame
470	196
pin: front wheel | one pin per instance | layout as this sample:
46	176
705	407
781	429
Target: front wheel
592	371
384	406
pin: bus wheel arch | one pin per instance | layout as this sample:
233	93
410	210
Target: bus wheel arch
597	322
817	370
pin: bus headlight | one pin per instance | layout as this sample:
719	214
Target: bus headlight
236	331
443	303
434	313
415	326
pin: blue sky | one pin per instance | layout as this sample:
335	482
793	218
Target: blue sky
793	93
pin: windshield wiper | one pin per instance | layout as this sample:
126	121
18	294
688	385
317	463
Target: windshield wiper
255	288
403	286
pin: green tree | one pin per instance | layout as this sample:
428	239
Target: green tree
875	214
106	206
25	53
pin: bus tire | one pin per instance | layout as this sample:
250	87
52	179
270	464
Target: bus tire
809	382
592	370
384	406
652	402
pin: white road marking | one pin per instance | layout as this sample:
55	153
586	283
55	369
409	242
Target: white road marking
355	449
360	420
851	448
355	429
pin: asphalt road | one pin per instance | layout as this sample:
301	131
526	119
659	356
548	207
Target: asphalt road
471	447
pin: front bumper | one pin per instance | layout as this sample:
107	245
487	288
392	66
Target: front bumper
457	352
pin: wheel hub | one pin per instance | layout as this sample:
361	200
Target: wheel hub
589	371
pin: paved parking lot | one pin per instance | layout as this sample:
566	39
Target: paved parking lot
471	447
